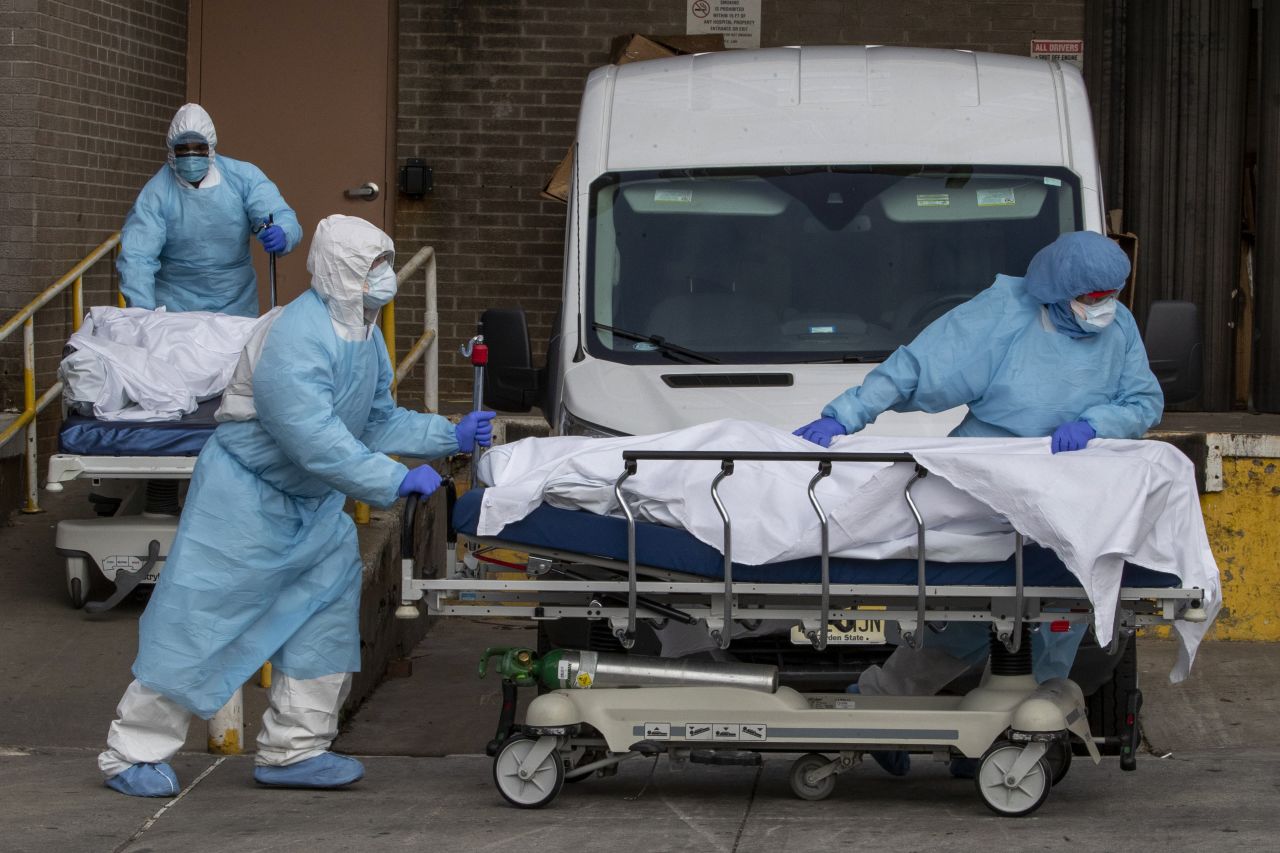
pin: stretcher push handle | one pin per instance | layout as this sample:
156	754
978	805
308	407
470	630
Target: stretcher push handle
819	638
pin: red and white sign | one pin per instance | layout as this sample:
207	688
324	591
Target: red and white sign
1067	50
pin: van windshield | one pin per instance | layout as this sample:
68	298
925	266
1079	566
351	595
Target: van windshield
805	264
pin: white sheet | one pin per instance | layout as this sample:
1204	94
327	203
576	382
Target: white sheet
136	364
1096	508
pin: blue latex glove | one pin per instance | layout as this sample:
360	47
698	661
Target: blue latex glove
273	239
423	480
1073	435
474	428
821	431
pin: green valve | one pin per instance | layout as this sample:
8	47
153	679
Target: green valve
523	666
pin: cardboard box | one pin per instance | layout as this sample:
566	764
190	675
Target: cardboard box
637	48
631	48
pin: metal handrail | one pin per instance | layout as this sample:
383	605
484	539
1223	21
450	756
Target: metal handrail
423	346
33	406
427	343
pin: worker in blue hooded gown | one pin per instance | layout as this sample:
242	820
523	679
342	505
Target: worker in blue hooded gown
185	242
1050	354
265	564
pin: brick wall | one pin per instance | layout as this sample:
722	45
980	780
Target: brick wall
489	95
87	89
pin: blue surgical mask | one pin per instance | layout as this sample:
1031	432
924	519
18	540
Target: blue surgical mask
191	168
382	286
1095	317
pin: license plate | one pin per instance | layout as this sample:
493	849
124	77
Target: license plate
850	632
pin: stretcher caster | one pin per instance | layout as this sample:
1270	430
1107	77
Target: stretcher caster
808	782
77	581
528	784
1059	760
1005	793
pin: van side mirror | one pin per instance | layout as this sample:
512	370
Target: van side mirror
511	382
1174	349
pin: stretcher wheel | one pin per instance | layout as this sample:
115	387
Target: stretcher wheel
77	581
802	787
536	791
1059	760
1003	799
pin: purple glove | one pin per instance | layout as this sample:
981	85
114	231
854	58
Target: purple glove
272	238
474	428
422	480
1073	435
821	431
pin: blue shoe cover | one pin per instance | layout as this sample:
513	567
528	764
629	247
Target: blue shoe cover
895	762
146	780
964	768
326	770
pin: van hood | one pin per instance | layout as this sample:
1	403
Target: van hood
642	399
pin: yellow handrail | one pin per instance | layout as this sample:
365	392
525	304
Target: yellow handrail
425	343
33	406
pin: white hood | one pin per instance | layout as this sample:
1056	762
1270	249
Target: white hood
191	118
342	252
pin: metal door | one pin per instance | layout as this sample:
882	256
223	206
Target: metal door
305	90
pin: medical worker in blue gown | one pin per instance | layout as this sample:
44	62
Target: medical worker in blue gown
185	243
265	564
1050	354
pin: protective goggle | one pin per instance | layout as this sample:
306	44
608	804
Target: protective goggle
1096	296
191	149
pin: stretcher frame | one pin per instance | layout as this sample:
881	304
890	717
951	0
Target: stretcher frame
127	548
1019	731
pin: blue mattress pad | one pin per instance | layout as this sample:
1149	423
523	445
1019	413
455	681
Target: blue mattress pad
184	437
586	533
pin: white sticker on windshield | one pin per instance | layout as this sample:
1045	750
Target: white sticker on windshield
1052	182
822	330
933	200
644	347
674	196
995	198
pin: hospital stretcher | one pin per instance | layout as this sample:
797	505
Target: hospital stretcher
137	469
623	571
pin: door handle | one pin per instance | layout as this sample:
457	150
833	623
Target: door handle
368	192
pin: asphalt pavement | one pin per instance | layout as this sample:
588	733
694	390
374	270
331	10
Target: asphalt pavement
1208	778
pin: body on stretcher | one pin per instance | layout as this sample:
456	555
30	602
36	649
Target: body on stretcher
138	470
623	571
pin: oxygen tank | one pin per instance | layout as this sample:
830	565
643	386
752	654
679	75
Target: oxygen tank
578	670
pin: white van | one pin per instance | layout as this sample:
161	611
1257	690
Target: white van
751	232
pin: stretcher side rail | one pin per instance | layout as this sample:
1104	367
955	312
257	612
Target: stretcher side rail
671	594
65	467
818	635
548	599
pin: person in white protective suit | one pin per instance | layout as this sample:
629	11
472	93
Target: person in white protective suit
265	564
185	242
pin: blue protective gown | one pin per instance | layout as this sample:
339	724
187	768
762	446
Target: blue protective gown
1015	355
1001	355
187	248
265	564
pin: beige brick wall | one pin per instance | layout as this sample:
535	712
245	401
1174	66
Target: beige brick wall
489	95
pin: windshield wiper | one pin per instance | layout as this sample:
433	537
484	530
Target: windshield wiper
659	343
851	358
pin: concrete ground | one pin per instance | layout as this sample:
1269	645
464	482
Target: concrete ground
1210	777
